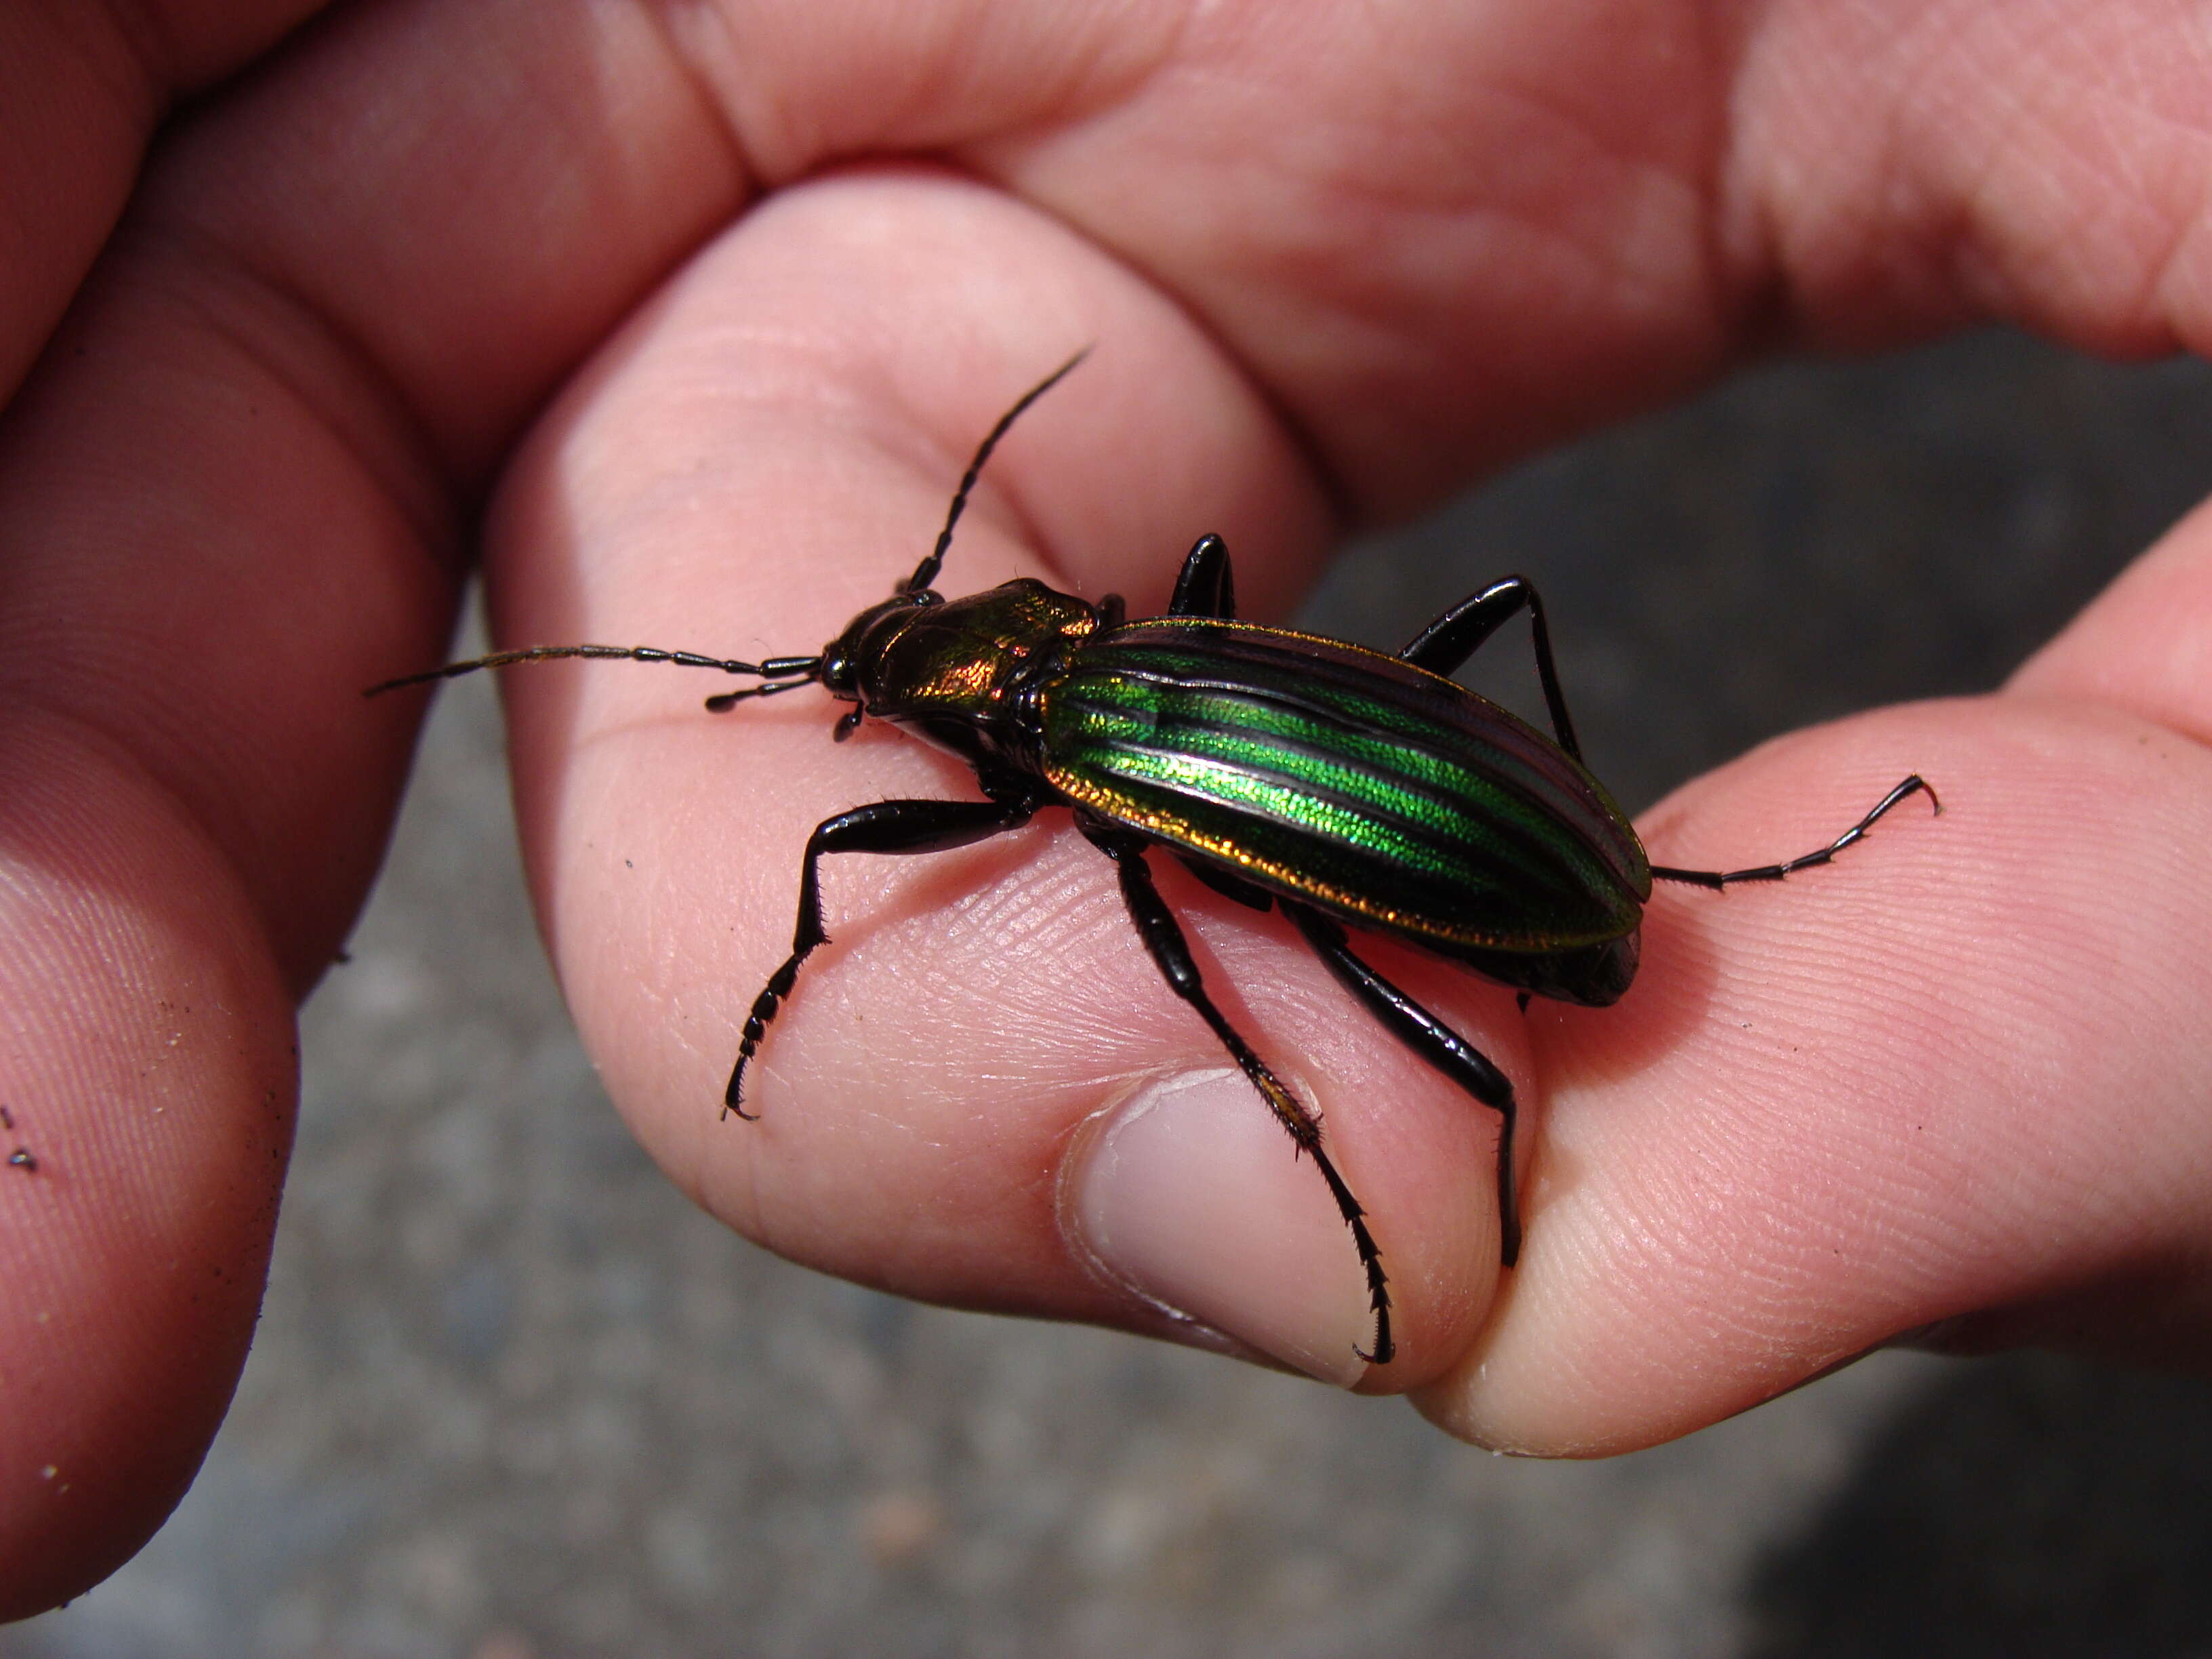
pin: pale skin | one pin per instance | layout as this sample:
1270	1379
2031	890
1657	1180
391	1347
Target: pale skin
588	264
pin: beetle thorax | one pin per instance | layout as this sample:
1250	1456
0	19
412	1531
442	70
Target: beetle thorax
953	664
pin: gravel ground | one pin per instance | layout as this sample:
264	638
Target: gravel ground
513	1397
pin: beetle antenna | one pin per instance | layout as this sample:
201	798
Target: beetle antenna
794	670
925	574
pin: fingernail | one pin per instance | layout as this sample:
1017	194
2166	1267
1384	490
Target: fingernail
1190	1195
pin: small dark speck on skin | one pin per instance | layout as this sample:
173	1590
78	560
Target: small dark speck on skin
627	865
20	1158
7	1118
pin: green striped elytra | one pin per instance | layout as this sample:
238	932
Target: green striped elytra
1343	787
1389	796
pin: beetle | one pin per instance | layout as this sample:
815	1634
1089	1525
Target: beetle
1345	787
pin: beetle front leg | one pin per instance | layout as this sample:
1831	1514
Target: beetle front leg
1444	646
1434	1042
889	826
1170	952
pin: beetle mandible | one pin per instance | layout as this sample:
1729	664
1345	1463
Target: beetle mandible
1285	770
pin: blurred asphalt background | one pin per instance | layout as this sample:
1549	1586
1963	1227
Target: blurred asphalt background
513	1398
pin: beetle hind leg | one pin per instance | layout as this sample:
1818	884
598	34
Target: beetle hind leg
1434	1042
1170	952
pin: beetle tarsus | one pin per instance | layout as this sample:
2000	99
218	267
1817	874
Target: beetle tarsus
1371	1259
763	1009
1719	880
733	1096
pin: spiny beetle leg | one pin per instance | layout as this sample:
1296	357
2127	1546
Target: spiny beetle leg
1716	880
888	826
1434	1042
1206	587
1444	646
1170	952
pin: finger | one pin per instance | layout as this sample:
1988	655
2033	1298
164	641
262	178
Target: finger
2134	650
81	88
1499	225
222	520
2139	647
1955	1070
147	1074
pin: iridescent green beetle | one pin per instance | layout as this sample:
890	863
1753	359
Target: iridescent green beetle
1285	770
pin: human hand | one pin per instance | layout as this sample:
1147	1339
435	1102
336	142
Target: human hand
1336	262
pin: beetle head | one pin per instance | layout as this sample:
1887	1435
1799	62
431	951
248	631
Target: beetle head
847	659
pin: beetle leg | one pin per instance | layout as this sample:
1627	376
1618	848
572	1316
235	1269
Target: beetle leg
1250	894
1716	880
1170	952
1434	1042
1206	588
1164	940
889	826
1444	646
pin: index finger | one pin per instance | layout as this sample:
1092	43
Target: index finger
232	494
